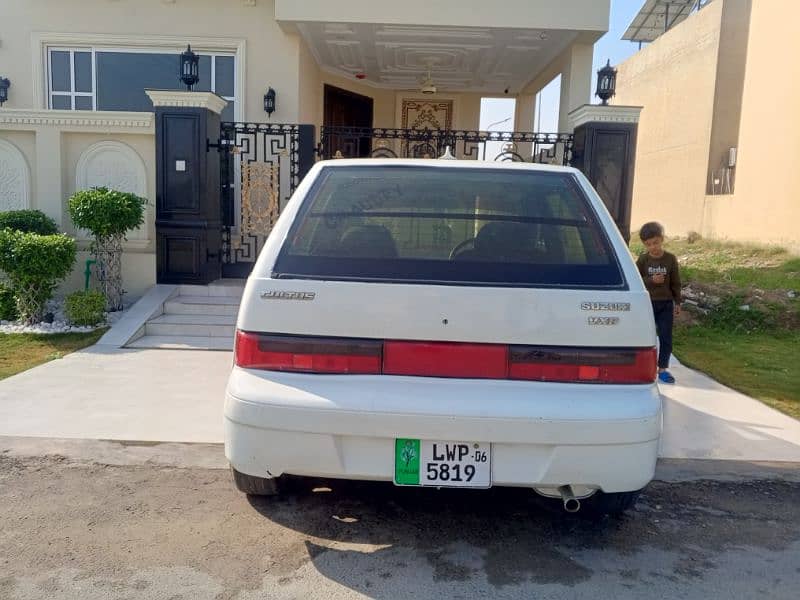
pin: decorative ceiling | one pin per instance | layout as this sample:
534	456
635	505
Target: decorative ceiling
460	59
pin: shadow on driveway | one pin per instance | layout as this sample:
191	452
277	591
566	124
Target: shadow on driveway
363	535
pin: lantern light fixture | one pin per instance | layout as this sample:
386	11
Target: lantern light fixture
4	85
190	70
606	83
269	102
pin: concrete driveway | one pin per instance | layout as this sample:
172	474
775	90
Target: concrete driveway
177	396
78	530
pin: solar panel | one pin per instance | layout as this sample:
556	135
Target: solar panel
659	16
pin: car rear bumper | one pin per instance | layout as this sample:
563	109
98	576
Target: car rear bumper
542	435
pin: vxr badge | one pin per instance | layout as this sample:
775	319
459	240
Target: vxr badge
603	320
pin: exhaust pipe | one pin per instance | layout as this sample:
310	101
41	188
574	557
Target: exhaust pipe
571	503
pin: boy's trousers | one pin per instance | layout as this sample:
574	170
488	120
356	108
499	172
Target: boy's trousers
663	313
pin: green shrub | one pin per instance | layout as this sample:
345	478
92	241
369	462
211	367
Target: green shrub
85	308
29	221
734	314
8	304
34	264
106	213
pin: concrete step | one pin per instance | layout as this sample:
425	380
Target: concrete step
192	325
183	342
231	288
202	305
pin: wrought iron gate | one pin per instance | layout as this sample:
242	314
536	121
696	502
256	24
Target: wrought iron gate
261	165
517	146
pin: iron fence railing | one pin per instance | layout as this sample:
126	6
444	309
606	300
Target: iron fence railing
376	142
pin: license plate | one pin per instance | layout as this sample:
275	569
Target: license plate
442	464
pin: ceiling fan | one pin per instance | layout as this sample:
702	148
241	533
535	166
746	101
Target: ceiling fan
427	86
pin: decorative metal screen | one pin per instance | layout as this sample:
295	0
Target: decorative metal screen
261	165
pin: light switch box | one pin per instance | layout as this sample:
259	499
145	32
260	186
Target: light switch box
180	165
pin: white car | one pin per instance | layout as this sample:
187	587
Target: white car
446	323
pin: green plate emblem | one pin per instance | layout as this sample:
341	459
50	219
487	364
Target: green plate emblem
406	462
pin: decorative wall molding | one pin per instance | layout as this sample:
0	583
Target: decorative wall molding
15	178
116	166
187	99
135	122
604	114
422	113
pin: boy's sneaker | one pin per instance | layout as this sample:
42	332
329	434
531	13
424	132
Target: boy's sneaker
666	377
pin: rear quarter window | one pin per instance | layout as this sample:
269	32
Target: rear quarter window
449	226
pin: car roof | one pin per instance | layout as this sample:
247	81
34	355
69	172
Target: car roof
444	164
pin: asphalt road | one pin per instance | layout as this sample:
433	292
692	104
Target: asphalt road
73	528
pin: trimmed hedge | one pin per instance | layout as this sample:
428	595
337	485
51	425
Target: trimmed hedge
85	308
34	264
28	221
106	213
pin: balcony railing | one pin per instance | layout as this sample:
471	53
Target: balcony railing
517	146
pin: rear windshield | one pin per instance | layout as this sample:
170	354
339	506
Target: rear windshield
448	226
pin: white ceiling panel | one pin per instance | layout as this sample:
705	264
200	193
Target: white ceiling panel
460	59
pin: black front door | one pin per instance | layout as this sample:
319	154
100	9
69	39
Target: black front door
348	109
188	216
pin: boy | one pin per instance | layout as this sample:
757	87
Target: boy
662	278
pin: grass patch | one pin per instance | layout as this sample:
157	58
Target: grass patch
761	364
22	351
748	336
742	265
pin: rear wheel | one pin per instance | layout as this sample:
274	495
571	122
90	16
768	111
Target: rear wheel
256	486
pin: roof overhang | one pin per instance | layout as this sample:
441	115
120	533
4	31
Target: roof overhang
468	46
580	15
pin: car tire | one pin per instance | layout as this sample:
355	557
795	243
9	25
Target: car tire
256	486
601	503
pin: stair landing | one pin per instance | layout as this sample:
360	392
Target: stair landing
197	317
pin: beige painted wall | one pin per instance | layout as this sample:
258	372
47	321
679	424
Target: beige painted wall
731	68
674	80
53	150
74	144
766	205
270	55
310	87
704	91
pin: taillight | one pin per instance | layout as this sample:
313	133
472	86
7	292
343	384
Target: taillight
307	354
582	365
444	359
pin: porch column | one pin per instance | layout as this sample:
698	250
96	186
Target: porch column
604	149
576	83
188	195
523	121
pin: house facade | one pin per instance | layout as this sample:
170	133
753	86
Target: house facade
717	151
77	114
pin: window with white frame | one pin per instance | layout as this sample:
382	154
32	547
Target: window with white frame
115	79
